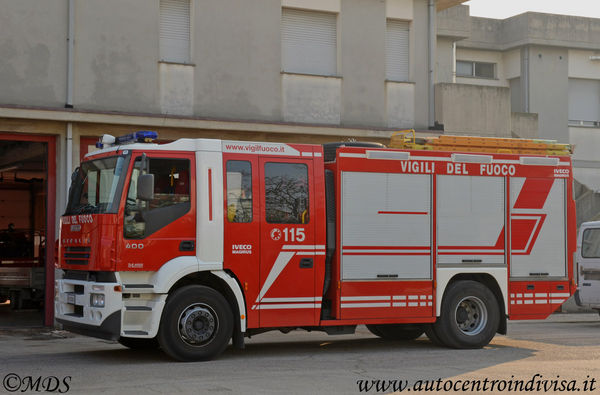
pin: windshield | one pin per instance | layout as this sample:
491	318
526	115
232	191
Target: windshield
97	185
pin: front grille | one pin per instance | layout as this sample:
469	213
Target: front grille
76	275
77	312
80	275
77	255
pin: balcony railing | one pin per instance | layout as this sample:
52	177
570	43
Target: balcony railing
585	124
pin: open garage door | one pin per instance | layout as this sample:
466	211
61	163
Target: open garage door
27	229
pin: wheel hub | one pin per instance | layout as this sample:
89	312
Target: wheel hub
461	315
471	315
197	324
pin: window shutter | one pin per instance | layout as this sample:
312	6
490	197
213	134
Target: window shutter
464	69
396	45
175	31
584	100
309	42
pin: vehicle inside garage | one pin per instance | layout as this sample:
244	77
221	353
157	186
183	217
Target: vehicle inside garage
23	232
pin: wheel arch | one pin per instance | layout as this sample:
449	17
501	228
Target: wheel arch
492	280
227	285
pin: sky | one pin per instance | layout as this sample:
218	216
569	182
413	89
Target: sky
501	9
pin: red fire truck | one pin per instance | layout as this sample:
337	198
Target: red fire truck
191	244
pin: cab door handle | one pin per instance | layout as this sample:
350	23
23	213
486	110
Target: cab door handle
186	245
306	263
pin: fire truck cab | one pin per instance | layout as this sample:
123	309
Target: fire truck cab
191	244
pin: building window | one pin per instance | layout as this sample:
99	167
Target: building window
175	31
396	47
471	69
308	42
584	102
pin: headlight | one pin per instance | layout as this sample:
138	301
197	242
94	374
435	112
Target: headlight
97	300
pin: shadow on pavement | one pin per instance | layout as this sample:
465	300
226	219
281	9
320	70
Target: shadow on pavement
587	332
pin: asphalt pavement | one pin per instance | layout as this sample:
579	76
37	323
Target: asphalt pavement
563	350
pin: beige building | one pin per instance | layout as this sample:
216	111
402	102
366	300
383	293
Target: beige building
532	75
270	70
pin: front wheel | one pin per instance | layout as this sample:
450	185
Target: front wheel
196	324
469	316
396	331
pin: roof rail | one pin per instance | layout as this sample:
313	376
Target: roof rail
406	139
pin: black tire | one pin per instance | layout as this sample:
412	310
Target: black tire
430	332
139	344
196	324
373	330
396	331
469	317
329	149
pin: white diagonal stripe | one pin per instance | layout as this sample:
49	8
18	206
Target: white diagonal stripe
281	262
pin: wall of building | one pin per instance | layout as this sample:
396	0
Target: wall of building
116	56
524	125
33	68
237	56
419	68
235	68
548	91
511	64
445	64
363	62
473	109
586	158
584	64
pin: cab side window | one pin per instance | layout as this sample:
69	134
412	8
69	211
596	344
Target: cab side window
591	243
286	193
171	196
239	191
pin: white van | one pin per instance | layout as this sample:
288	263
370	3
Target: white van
588	266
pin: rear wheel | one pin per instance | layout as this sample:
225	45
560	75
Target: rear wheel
196	325
469	316
138	343
396	331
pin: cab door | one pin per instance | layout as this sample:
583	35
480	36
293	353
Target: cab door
287	252
242	225
163	228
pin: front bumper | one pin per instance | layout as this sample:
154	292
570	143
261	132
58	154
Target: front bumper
73	309
109	329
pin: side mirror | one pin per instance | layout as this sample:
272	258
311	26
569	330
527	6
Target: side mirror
145	187
74	174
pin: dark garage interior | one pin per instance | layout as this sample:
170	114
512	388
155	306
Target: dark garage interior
23	232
